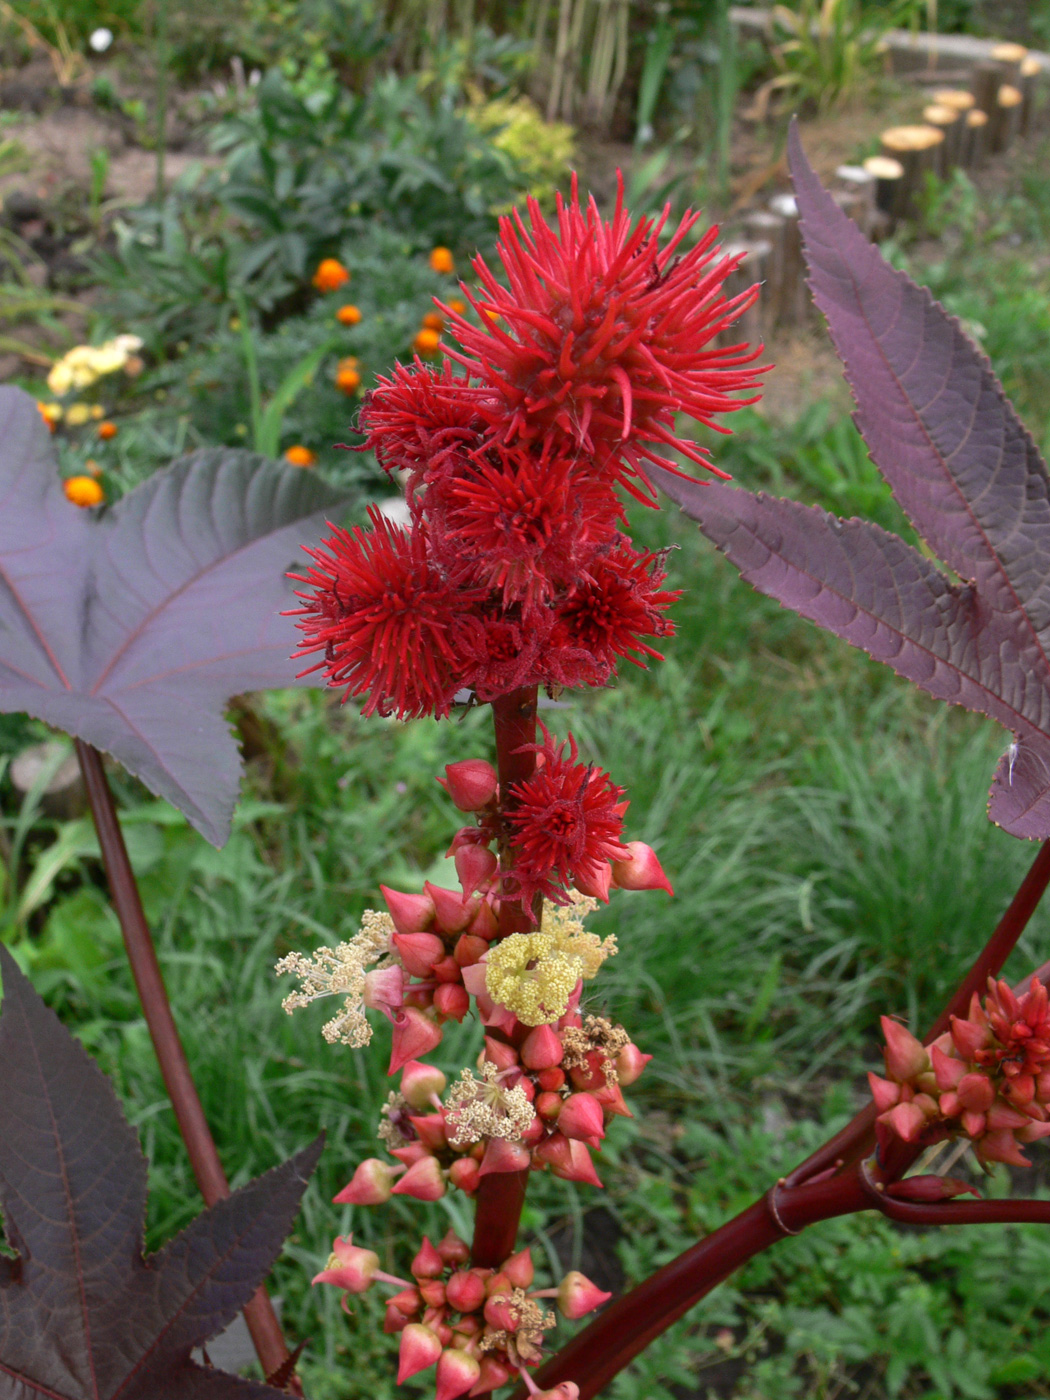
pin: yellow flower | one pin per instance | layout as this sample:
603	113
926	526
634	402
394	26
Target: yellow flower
77	414
83	491
51	413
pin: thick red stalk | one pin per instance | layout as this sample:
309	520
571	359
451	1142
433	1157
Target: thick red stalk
501	1195
142	955
857	1137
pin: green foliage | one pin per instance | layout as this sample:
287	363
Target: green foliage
827	51
542	151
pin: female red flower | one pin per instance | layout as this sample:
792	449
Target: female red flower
422	420
385	619
605	336
565	822
617	602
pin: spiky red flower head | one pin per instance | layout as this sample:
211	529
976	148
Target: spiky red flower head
604	336
617	603
1017	1037
566	822
384	618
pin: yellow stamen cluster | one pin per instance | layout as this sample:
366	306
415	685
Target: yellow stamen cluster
340	971
482	1108
525	1343
535	974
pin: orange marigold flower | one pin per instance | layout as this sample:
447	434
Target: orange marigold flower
107	430
348	315
51	413
441	259
300	456
348	380
330	275
460	307
83	491
434	321
427	341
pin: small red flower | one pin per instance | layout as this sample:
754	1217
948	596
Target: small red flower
605	336
565	823
617	602
384	618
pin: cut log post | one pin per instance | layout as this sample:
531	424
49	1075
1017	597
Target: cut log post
755	256
64	795
917	149
975	139
987	80
1033	88
1009	57
961	99
794	301
948	120
887	174
1006	120
763	226
857	195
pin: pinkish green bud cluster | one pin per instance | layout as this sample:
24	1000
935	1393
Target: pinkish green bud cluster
988	1077
481	1328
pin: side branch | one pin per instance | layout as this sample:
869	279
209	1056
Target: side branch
142	955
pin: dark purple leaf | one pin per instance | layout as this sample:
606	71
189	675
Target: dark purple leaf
968	475
132	627
84	1316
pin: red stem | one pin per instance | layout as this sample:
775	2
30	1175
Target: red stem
856	1139
501	1195
142	955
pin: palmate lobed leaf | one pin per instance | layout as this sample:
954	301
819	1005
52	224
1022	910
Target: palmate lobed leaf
82	1315
132	627
968	475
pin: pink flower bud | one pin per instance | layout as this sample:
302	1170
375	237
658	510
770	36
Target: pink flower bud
1000	1146
568	1390
630	1063
419	952
595	880
432	1291
589	1075
577	1296
581	1168
519	1269
947	1069
534	1133
446	969
502	1055
905	1056
640	870
411	913
465	1175
471	783
428	1263
425	1181
431	1130
581	1117
907	1120
501	1314
976	1091
452	1001
420	1348
555	1152
549	1079
354	1270
410	1154
492	1375
394	1321
542	1049
1033	1132
930	1188
502	1156
419	1082
456	1373
549	1105
968	1037
408	1301
497	1282
453	1249
465	1291
973	1124
469	950
476	867
1001	1115
384	989
484	924
885	1093
415	1034
452	911
370	1185
612	1101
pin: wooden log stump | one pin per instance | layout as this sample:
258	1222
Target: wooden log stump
856	195
887	174
1009	57
755	255
948	120
1005	124
975	140
63	796
794	303
917	149
762	226
960	98
987	80
1033	88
